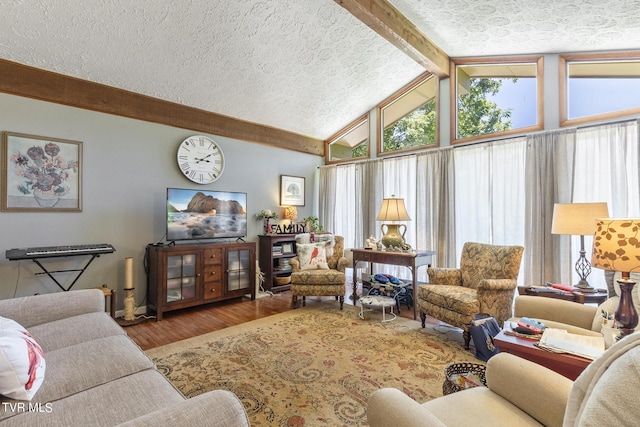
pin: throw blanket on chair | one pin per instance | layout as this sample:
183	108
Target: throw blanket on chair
605	393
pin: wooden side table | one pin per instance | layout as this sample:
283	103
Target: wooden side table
567	365
576	296
411	260
111	295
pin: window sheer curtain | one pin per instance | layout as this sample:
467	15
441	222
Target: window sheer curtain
548	180
499	192
490	193
606	170
435	209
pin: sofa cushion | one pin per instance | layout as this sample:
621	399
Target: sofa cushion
481	408
22	364
108	404
318	277
83	366
455	298
66	332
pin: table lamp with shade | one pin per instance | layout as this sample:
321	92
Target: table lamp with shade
290	213
393	209
578	219
616	247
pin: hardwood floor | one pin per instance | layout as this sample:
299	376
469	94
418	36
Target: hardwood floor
181	324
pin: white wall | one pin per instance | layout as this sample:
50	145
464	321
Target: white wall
127	166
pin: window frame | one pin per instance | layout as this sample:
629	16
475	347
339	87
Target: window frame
394	97
364	119
563	63
538	60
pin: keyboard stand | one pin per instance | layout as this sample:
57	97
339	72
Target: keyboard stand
50	273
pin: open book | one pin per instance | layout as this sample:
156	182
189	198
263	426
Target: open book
561	341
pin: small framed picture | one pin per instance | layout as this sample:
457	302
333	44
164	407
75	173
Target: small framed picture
40	174
291	190
287	248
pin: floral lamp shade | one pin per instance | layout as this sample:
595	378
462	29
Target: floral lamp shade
616	244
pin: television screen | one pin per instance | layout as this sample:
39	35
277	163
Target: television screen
205	214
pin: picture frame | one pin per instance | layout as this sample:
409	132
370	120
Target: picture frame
287	248
40	173
292	190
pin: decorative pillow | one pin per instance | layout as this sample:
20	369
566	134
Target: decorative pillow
312	256
22	363
303	238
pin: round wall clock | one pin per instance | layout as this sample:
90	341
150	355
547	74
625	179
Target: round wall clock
200	159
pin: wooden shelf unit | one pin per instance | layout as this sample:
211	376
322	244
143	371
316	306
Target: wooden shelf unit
271	262
188	275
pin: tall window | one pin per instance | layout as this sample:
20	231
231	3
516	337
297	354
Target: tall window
408	120
596	87
350	143
496	96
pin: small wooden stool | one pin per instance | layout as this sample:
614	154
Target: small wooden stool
111	293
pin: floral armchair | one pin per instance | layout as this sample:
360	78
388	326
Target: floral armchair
485	283
326	279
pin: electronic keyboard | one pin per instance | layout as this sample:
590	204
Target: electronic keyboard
58	251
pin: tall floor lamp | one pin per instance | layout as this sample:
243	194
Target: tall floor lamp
616	247
578	219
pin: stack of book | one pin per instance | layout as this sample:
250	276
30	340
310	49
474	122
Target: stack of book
283	264
277	250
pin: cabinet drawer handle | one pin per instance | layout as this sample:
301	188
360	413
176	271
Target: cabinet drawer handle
213	256
213	273
213	290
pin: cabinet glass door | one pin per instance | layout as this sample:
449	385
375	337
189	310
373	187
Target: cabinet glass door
181	277
238	269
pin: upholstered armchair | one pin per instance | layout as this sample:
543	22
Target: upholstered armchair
485	283
315	277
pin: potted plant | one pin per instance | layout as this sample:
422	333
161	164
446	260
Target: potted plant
266	215
313	223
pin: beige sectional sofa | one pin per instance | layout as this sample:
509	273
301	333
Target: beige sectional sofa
95	375
521	393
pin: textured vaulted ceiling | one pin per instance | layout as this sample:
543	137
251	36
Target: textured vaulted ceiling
305	66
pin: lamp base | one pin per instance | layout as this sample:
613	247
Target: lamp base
626	314
584	287
392	237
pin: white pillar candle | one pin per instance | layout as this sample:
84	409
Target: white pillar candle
128	273
267	212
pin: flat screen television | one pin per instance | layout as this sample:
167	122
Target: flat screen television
205	214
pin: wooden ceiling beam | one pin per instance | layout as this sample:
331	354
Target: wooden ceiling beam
386	20
30	82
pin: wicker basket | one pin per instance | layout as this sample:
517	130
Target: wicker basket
450	386
281	280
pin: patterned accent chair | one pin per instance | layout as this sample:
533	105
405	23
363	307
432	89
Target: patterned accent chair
484	283
331	282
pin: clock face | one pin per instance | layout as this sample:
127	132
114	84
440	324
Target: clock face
200	159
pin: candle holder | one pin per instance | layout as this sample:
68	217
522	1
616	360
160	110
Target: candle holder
129	301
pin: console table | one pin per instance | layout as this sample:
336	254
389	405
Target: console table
411	260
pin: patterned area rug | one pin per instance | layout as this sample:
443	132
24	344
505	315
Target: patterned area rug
314	366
